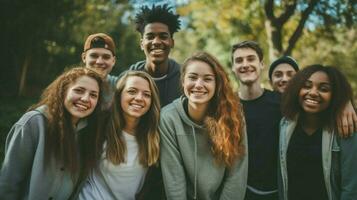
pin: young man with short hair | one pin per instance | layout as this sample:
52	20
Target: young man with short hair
157	26
281	71
262	115
99	55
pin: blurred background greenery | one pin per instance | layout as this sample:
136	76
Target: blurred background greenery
39	38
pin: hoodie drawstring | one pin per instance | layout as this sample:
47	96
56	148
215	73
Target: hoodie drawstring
195	164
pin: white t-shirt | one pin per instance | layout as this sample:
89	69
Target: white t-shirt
121	181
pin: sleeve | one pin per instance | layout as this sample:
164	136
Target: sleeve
349	168
20	148
173	173
235	183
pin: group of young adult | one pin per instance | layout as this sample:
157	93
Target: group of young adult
98	136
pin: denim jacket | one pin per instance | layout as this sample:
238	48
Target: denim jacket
339	162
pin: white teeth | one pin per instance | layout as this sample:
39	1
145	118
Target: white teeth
80	106
311	101
136	106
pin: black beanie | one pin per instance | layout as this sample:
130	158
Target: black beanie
285	59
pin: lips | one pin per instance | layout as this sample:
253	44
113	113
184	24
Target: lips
311	102
81	107
135	106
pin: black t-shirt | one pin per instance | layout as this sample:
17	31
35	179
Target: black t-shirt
304	163
263	116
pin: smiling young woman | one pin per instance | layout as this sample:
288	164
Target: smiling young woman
43	149
129	145
315	163
203	139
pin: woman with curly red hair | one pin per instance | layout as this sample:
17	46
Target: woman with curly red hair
203	139
44	148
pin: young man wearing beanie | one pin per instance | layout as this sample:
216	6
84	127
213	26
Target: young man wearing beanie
281	71
157	26
99	55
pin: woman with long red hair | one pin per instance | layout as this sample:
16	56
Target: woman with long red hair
203	138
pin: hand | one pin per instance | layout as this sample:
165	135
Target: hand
347	121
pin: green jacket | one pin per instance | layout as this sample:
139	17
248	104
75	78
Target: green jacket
188	167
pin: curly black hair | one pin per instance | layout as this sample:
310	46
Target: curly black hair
162	14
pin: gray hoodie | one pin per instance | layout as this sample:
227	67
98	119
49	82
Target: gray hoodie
169	86
188	167
23	174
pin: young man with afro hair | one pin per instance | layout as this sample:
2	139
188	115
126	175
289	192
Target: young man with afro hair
157	26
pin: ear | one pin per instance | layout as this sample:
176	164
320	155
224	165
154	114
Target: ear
84	57
172	42
141	44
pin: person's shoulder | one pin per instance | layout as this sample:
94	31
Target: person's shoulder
272	96
31	117
139	66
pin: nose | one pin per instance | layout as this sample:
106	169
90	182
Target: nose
99	60
313	91
85	97
139	96
156	40
199	83
285	78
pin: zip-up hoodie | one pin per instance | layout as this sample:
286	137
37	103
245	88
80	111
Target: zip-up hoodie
23	173
188	167
339	163
169	86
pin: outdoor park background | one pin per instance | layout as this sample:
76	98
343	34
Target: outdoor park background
39	38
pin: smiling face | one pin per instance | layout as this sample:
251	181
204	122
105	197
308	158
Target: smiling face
199	83
156	43
100	60
247	66
81	98
315	95
135	98
281	76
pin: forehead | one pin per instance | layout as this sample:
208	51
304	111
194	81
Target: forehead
319	77
284	67
156	27
101	51
199	67
86	82
137	82
244	52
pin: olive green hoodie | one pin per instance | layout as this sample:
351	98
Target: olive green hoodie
188	167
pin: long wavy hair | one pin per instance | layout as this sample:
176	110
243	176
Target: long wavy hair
60	139
224	118
340	88
147	135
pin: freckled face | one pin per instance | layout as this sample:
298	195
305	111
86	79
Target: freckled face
199	82
81	97
315	96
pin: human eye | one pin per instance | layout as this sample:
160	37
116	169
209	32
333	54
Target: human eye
93	55
78	90
307	84
278	74
147	95
94	95
149	36
209	78
238	60
106	57
251	58
164	36
325	88
131	91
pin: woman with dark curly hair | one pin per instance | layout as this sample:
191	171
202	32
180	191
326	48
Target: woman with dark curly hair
203	138
315	163
42	149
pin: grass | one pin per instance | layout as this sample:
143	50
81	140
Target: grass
11	109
